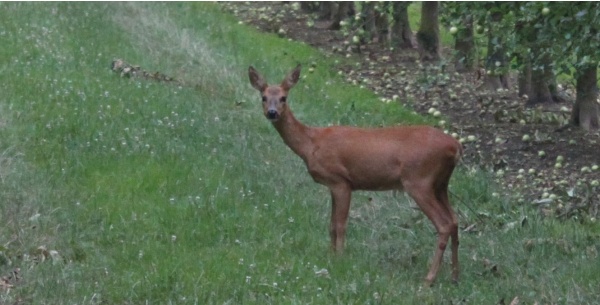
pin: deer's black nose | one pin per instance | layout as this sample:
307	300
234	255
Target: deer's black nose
272	114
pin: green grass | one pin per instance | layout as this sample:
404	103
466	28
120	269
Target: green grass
127	191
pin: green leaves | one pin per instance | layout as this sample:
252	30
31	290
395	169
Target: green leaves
559	26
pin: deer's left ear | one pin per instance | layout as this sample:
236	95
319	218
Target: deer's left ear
291	79
257	81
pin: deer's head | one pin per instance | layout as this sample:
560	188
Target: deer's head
274	97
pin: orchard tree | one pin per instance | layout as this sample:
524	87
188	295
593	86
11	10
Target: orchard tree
387	22
585	111
309	6
325	9
375	19
543	39
340	10
401	34
494	23
499	24
534	55
384	22
334	11
466	54
574	27
460	17
428	35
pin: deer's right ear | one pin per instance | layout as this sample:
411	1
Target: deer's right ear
292	78
257	81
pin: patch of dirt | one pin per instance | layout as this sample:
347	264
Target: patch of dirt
493	126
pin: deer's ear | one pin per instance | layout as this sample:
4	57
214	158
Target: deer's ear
291	79
257	81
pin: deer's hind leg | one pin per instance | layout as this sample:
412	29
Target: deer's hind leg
443	197
424	195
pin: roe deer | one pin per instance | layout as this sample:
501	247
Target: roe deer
416	159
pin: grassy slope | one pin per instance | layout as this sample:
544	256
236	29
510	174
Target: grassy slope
184	195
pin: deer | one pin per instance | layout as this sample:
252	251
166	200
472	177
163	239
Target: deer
418	160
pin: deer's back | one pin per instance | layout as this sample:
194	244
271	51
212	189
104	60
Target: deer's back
378	158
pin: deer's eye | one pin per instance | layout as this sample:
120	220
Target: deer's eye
264	98
283	99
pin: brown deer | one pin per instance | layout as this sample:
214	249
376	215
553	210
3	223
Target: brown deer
416	159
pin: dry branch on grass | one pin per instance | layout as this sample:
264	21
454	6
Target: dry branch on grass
125	69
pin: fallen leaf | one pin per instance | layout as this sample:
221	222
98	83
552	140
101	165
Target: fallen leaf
515	301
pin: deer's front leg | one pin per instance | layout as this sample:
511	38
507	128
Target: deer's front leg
340	206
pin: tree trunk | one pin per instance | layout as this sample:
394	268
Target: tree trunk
381	23
524	38
524	78
428	35
464	45
402	36
536	79
496	66
552	85
540	89
325	10
586	110
309	6
369	19
340	11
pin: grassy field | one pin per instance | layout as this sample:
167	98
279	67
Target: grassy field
131	191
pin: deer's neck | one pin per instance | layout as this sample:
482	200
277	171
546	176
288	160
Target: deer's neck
295	134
